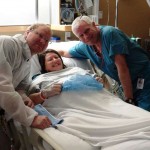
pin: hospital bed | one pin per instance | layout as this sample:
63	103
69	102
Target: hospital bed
58	139
35	138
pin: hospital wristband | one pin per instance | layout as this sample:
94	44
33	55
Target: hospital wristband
42	96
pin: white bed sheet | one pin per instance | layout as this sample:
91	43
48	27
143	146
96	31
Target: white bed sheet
100	119
67	141
104	122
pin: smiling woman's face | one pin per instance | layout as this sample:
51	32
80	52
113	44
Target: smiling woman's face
53	62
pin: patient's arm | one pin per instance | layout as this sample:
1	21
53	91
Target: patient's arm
55	89
40	97
64	53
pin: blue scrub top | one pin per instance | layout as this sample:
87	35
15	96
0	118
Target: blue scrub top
113	42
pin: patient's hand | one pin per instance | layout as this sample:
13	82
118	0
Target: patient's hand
41	122
55	89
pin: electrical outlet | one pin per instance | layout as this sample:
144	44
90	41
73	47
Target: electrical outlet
100	14
67	36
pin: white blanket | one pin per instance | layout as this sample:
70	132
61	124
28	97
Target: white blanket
99	117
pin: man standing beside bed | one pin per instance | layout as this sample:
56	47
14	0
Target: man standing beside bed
15	54
117	56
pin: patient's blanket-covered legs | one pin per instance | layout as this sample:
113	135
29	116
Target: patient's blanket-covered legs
100	118
95	115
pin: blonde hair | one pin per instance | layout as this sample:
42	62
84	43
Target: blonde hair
77	22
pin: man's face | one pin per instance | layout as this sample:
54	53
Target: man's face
38	39
87	33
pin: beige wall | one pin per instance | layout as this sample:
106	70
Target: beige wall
61	34
133	16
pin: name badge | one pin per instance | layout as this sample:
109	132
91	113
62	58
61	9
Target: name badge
140	83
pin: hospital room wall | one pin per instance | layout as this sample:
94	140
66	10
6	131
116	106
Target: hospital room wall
133	16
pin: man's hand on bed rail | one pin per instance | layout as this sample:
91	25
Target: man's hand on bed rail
41	122
99	79
55	89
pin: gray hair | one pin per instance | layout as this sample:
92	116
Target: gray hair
36	25
76	23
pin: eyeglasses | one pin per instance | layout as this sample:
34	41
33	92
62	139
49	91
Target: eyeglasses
40	36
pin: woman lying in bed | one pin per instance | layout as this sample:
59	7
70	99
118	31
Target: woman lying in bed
51	61
91	113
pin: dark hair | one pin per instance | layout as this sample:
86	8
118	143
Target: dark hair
41	58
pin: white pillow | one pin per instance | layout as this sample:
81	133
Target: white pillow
62	45
69	62
76	62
